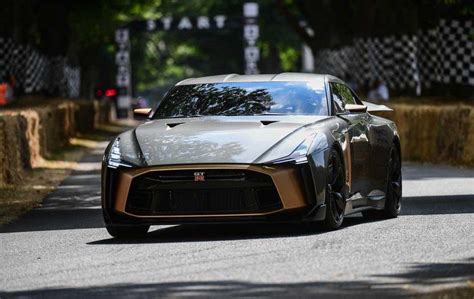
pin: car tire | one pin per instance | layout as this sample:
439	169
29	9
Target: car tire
127	232
335	198
393	203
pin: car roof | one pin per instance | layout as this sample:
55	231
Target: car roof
282	77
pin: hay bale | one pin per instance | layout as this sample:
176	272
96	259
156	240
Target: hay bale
32	134
85	116
3	156
27	136
435	133
15	150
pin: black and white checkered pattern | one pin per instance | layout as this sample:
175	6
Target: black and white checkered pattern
457	51
444	54
34	72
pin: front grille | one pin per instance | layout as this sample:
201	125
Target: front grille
222	192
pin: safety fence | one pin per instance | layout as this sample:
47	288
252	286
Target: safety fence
33	72
441	55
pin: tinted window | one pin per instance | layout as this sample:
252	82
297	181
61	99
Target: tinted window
341	96
245	98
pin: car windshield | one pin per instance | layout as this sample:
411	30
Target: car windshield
244	98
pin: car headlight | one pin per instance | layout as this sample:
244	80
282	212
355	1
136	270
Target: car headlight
114	159
299	154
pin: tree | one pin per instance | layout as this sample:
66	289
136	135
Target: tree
83	31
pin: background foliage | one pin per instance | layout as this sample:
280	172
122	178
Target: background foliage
83	31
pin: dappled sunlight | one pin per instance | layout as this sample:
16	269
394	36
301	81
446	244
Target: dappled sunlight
68	158
87	143
77	166
41	187
117	126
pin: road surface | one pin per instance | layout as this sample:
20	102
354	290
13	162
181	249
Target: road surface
62	248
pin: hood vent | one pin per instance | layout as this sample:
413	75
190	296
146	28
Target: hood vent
268	122
172	125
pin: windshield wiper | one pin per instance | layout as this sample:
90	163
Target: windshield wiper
269	113
185	116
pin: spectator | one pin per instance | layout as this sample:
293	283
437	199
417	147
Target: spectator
6	90
378	92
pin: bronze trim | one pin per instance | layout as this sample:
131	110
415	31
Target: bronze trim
285	178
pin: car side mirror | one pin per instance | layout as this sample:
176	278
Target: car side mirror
141	113
355	108
371	107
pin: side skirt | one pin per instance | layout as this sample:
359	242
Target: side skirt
375	200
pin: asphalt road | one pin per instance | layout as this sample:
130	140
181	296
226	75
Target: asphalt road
62	248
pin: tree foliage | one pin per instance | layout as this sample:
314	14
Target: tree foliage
83	31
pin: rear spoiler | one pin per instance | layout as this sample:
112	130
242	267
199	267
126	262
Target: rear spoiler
371	107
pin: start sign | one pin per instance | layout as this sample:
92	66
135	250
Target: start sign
184	23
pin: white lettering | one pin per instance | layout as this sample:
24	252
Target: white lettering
123	80
122	70
252	54
122	58
121	36
150	25
167	22
220	21
185	23
251	10
203	22
251	32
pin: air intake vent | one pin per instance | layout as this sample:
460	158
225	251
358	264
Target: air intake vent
268	122
172	125
224	191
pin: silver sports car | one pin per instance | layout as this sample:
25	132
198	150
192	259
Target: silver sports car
233	148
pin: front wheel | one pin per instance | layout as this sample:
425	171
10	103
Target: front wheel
335	199
127	232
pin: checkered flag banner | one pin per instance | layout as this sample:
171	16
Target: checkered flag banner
34	72
444	54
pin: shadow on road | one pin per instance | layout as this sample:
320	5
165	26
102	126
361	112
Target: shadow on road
419	274
438	205
196	233
436	273
217	232
84	211
222	232
220	289
75	204
413	171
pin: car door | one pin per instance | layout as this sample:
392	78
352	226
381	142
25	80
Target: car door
358	137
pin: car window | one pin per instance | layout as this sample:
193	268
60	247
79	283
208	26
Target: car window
341	96
244	98
356	98
337	102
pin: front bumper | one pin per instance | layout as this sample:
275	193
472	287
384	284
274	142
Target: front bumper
292	184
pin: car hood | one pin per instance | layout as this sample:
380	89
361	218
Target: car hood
223	139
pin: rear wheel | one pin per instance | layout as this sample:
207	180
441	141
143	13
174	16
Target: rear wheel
335	199
127	231
393	193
